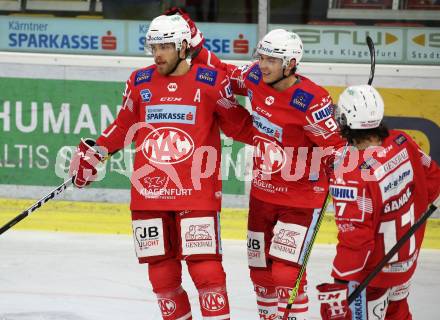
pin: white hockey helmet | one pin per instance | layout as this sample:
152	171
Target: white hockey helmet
283	44
167	29
360	107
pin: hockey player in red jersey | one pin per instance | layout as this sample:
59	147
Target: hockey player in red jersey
390	184
173	113
291	115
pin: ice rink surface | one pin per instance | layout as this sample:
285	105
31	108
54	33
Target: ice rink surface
63	276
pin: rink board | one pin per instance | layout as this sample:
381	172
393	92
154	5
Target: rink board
113	218
49	101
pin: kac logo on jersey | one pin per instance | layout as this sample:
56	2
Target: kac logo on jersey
343	193
168	145
255	74
143	76
301	100
172	87
146	95
207	76
269	100
269	157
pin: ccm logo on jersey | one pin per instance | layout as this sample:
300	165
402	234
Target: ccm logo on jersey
207	76
143	76
301	100
343	193
255	74
322	113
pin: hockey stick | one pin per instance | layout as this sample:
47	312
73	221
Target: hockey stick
370	45
393	251
295	289
58	190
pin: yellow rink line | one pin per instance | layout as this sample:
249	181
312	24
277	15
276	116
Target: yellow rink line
111	218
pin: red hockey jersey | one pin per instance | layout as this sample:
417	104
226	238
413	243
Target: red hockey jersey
175	122
287	127
375	205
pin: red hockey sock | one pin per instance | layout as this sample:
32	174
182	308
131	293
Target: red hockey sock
284	276
267	300
166	278
174	305
210	280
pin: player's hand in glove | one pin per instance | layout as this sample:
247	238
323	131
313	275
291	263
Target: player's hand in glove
197	39
333	299
84	161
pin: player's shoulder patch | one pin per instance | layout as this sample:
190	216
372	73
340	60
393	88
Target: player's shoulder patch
143	75
206	75
400	139
254	74
301	100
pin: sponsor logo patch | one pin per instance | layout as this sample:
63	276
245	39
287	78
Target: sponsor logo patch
255	251
250	94
207	76
391	164
170	113
400	139
143	76
255	74
148	236
343	193
396	181
301	100
323	113
287	241
396	204
198	236
263	125
146	95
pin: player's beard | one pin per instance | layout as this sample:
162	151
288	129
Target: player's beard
169	66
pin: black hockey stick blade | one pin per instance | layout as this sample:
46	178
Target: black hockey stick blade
391	253
370	44
58	190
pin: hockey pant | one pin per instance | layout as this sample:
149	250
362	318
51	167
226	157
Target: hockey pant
163	239
277	236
